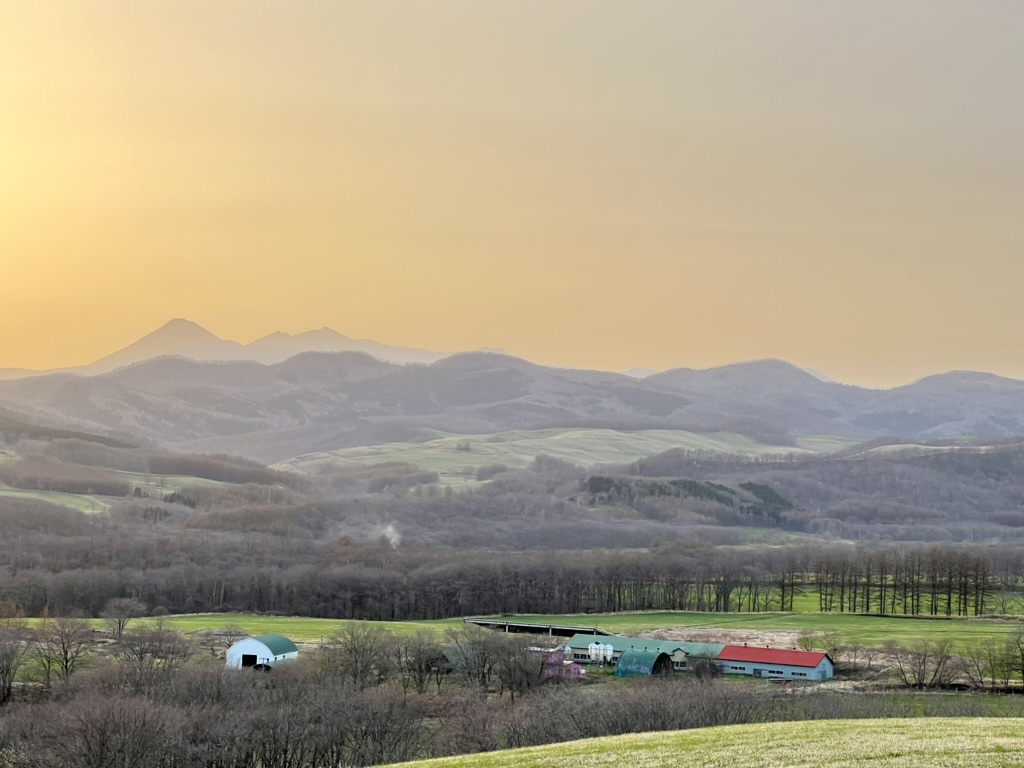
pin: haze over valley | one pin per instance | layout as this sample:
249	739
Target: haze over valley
534	367
280	397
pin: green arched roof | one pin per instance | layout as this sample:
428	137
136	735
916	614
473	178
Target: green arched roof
279	645
639	661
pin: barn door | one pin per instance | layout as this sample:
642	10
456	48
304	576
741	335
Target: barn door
248	660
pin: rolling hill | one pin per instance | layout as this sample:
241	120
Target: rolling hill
909	743
316	401
196	392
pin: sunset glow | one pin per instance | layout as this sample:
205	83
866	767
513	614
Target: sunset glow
589	184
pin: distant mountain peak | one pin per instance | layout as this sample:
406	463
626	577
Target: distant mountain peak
963	378
484	360
181	328
768	365
178	337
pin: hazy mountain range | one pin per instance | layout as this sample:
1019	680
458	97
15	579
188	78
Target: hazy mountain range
284	404
183	338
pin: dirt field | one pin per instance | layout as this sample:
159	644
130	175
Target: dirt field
776	638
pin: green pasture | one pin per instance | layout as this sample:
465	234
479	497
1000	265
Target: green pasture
852	629
299	629
156	485
908	743
167	483
80	502
456	457
824	443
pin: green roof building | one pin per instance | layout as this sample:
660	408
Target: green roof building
681	652
643	663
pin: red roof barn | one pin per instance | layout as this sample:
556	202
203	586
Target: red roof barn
775	662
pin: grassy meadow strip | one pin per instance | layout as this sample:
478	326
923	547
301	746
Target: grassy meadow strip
80	502
853	629
872	631
948	742
299	629
456	457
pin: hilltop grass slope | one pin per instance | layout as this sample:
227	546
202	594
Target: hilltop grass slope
924	743
456	457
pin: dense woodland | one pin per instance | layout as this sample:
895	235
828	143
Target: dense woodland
906	534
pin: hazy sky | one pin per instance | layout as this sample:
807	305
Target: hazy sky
595	184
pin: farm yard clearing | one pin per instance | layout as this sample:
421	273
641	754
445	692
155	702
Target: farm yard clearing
852	629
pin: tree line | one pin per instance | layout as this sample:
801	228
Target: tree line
191	572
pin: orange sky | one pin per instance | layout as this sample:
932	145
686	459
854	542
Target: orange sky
584	182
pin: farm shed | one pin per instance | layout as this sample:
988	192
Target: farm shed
643	663
262	651
680	651
775	663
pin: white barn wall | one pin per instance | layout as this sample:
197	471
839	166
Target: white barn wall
251	646
824	670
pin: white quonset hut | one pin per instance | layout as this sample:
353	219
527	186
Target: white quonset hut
262	651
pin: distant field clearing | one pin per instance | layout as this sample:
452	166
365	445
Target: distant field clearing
917	743
457	457
871	631
82	503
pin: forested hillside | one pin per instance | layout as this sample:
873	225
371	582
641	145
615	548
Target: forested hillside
85	519
327	401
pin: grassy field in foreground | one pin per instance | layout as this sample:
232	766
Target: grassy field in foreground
924	743
449	457
859	630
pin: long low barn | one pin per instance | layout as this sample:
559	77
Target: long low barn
682	653
775	663
731	659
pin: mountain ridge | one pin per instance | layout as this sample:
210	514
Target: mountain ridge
324	400
187	339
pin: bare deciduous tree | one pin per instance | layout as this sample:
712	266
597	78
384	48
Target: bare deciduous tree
62	646
415	659
475	654
99	733
359	654
148	653
927	664
119	611
14	648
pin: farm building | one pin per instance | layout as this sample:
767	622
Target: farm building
775	663
680	652
262	652
556	665
637	662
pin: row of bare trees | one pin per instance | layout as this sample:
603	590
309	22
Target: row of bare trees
378	581
304	716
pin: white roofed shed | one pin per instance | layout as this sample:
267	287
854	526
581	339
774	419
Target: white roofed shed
262	651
